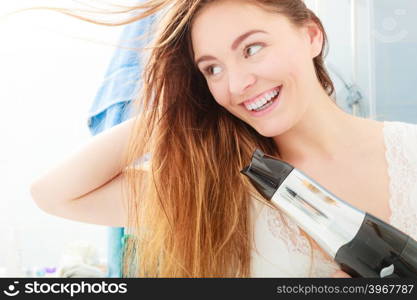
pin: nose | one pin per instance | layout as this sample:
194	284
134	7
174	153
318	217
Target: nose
239	82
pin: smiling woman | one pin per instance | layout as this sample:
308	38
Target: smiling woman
223	78
277	52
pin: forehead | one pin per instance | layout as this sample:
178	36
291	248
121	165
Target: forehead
221	21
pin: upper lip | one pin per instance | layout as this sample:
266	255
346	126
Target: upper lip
259	96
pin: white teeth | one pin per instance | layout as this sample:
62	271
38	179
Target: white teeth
259	103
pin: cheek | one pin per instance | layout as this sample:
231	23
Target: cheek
276	67
287	62
220	95
302	66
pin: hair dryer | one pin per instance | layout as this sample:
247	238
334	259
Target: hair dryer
362	245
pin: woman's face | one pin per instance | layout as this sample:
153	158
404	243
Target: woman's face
247	55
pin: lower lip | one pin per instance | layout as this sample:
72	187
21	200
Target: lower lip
268	109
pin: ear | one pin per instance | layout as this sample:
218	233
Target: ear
315	38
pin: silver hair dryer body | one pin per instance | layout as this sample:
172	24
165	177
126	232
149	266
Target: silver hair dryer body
362	245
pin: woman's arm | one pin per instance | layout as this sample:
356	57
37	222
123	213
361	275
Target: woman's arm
103	206
84	182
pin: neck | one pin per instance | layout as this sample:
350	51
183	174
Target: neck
324	132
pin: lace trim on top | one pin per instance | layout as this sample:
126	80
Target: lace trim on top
282	227
401	153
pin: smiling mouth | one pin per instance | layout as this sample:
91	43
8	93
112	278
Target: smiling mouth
263	102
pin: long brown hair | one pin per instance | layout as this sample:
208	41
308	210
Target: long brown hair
189	214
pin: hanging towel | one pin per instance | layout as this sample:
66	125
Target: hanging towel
111	106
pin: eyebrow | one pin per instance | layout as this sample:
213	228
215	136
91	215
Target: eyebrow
235	44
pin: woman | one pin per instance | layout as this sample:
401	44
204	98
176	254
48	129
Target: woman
223	78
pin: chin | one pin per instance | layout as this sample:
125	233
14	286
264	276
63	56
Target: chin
268	131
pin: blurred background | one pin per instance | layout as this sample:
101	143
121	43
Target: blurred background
52	66
372	55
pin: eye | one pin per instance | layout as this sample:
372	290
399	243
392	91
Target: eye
209	70
252	46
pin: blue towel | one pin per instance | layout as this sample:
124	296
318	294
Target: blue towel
112	105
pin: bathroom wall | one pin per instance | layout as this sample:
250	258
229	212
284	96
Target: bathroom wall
51	68
394	35
373	47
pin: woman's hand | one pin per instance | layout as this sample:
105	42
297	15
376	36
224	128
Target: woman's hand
340	274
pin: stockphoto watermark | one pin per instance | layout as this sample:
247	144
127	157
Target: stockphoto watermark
73	288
